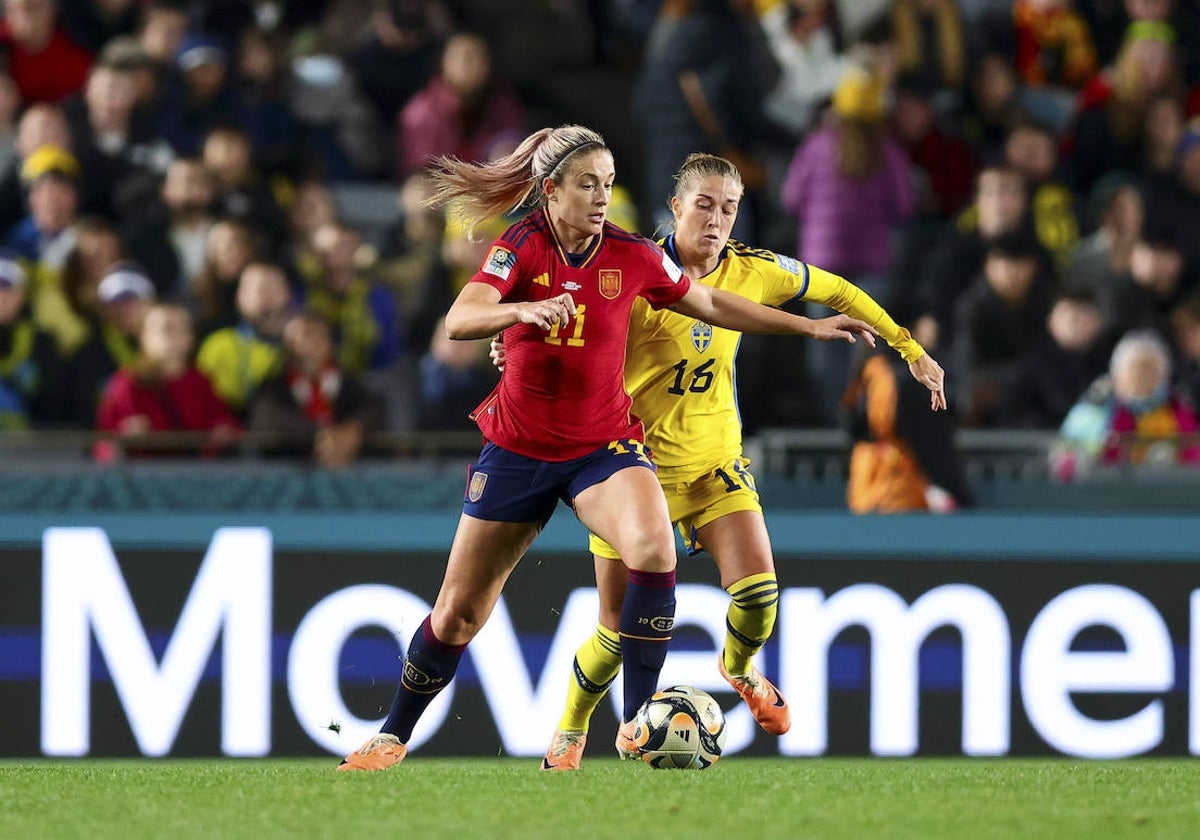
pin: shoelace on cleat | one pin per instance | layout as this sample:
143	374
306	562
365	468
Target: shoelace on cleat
565	740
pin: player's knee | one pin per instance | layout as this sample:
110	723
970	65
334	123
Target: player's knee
455	623
652	552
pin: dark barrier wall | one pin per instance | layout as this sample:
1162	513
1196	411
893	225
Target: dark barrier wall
258	634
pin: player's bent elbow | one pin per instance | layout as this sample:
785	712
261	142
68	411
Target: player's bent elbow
457	328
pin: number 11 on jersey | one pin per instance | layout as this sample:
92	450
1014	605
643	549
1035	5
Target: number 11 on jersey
576	337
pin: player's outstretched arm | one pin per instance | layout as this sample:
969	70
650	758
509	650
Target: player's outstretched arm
734	312
478	313
930	374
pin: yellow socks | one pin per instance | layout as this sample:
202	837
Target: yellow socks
750	620
596	665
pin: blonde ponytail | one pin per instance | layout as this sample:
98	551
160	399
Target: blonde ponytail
478	191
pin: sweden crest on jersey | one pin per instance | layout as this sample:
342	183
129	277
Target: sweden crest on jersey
701	336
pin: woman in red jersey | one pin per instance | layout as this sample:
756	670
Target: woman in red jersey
561	284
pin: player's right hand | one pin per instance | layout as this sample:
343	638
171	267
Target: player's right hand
547	314
930	374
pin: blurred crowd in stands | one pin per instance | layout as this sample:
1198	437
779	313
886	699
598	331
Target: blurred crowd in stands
211	210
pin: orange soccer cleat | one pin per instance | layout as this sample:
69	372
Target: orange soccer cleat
765	702
626	744
379	753
566	750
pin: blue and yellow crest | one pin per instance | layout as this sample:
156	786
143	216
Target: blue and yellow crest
701	336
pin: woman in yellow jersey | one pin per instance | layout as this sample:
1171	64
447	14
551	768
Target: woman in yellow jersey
680	373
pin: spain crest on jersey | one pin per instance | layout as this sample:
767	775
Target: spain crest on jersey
475	488
610	283
701	336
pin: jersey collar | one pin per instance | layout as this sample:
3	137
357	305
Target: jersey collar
581	260
668	245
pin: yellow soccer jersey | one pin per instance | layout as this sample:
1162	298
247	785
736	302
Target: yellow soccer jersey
680	371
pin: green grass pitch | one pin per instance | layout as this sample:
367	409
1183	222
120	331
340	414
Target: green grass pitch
739	798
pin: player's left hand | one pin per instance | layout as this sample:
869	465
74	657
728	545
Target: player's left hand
496	353
842	328
929	373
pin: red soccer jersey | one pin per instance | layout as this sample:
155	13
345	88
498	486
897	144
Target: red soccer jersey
562	394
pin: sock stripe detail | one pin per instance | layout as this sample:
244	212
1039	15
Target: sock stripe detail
653	580
742	637
589	685
608	641
646	638
755	594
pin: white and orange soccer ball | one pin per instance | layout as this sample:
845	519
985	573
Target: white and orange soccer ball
680	728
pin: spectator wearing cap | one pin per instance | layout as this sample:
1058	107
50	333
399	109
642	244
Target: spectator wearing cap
51	178
46	237
34	390
123	296
999	319
163	391
201	96
41	124
1116	104
849	186
44	62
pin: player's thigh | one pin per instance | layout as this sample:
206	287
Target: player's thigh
483	555
739	545
629	512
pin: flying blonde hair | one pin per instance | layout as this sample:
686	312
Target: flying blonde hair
478	191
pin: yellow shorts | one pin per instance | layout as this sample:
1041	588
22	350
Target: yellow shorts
698	500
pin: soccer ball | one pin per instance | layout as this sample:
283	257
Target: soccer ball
680	728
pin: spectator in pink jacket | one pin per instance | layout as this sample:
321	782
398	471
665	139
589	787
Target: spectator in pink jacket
849	187
465	111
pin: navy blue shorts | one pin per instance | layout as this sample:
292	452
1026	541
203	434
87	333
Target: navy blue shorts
503	486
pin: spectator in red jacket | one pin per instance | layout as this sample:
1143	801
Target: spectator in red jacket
46	65
465	111
163	391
